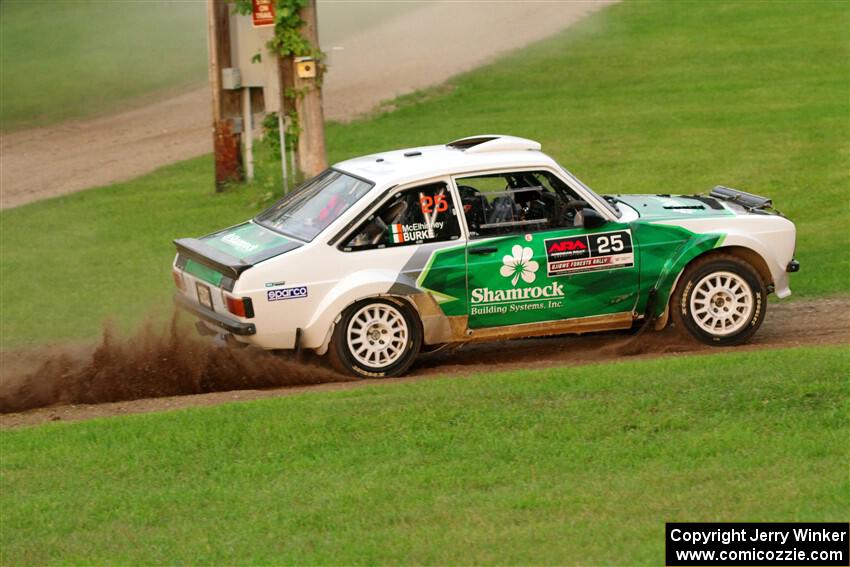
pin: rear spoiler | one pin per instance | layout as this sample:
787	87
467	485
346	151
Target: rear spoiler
746	200
222	262
205	254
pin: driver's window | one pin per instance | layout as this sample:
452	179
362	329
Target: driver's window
517	202
410	216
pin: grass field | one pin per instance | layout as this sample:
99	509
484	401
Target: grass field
511	468
641	97
576	465
74	59
64	60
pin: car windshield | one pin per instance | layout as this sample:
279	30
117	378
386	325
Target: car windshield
598	198
308	210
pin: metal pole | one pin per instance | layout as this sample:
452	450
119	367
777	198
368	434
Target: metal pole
294	171
248	127
282	150
280	128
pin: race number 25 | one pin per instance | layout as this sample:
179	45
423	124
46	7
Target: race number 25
437	203
611	243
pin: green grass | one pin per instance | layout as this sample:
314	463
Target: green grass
641	97
61	60
102	253
509	468
76	58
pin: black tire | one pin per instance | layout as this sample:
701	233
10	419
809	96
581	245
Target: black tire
369	347
720	300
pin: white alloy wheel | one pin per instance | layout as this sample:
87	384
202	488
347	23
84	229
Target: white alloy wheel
721	303
377	335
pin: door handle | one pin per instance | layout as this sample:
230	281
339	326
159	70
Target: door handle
485	250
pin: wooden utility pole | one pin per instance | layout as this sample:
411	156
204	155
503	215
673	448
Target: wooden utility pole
312	158
225	103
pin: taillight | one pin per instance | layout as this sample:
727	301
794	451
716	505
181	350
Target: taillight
178	280
240	306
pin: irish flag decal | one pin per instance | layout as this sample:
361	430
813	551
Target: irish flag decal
397	233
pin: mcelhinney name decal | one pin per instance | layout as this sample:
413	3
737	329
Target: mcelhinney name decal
414	232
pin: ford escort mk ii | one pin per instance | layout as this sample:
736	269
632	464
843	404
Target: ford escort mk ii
483	238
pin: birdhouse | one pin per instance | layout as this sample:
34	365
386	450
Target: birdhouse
306	67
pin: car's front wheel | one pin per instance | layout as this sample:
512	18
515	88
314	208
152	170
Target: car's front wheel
376	338
721	300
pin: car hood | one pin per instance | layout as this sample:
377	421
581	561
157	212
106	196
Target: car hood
674	206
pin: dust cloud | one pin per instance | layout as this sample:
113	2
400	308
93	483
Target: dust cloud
160	359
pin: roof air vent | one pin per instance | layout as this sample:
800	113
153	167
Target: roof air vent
494	143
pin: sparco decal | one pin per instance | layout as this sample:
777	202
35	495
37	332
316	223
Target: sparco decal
287	293
589	252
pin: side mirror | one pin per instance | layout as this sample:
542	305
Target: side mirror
592	219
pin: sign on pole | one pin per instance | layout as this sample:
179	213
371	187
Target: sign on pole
262	13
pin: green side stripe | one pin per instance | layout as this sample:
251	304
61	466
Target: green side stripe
440	297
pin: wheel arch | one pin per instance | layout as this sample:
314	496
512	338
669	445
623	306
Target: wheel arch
752	257
398	298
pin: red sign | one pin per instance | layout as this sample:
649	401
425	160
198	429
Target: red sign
262	12
567	246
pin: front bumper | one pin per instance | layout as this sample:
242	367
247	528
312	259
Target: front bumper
222	321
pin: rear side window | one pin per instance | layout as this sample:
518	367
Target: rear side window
412	216
517	202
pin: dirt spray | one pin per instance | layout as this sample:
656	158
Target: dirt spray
158	360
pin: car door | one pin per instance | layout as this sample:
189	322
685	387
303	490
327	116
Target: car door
530	259
410	226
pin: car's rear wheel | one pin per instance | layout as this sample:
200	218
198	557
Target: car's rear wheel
720	300
376	338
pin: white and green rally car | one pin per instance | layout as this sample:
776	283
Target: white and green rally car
484	238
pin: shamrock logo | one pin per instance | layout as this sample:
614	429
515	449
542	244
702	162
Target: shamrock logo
519	265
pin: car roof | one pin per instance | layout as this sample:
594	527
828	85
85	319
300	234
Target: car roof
475	153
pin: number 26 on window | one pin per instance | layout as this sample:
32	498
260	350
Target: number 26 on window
437	203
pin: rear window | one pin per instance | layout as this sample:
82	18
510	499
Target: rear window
311	208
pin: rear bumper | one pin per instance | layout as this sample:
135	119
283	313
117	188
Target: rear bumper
222	321
780	279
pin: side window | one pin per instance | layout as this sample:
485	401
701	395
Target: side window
517	202
411	216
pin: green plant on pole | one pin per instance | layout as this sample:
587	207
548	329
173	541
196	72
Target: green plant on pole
287	41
